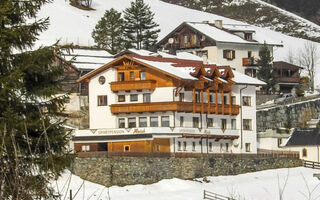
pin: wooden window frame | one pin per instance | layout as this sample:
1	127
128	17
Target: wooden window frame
131	73
132	99
232	53
124	148
121	123
104	102
144	97
120	98
142	78
119	79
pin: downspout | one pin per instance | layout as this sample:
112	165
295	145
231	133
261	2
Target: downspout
241	122
174	113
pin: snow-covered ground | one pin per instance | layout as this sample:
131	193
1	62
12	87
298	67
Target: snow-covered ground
263	185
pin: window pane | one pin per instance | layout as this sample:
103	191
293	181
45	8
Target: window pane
132	122
121	98
210	122
154	122
142	75
121	76
181	121
165	121
233	124
181	97
146	98
122	123
246	101
102	100
142	122
193	146
179	146
247	124
233	100
133	97
223	124
131	75
195	121
184	146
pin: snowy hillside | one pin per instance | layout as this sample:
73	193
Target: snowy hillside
72	25
263	185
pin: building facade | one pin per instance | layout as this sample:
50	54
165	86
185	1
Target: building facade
156	104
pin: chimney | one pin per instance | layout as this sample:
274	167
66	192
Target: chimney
218	23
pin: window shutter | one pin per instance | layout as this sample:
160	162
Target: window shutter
224	53
233	54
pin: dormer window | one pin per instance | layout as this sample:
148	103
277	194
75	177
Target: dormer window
248	36
229	54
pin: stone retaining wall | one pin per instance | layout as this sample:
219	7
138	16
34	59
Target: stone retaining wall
287	116
145	170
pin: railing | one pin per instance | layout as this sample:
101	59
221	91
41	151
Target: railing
174	106
311	164
105	154
249	62
133	85
287	80
214	196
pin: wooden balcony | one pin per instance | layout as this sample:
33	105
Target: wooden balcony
133	85
249	62
295	80
175	106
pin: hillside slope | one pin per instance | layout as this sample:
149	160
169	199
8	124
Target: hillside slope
259	13
72	25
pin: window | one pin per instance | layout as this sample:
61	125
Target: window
247	124
121	76
154	122
250	72
248	36
250	54
179	146
181	121
225	100
126	148
279	142
102	80
233	100
221	148
195	39
210	146
121	98
227	147
122	123
142	76
233	124
185	39
197	97
131	75
229	54
211	98
146	98
133	97
142	122
248	147
85	148
184	146
157	147
304	152
102	100
223	124
132	122
193	146
246	100
210	122
165	121
195	122
181	97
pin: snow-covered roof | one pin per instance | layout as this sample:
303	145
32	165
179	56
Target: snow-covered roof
88	59
169	68
243	79
239	27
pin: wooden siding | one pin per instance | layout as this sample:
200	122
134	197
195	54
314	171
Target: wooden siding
175	106
141	146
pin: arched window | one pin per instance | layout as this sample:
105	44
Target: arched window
304	152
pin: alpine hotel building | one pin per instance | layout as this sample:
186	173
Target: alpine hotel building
158	104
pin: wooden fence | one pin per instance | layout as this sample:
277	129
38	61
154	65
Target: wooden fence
104	154
311	164
214	196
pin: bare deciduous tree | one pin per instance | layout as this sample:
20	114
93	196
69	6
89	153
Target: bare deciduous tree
309	58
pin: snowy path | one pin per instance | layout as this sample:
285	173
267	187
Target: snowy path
252	186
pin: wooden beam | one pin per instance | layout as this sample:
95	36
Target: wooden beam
208	100
194	100
202	99
216	101
222	100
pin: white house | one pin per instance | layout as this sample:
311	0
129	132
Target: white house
272	140
159	104
233	45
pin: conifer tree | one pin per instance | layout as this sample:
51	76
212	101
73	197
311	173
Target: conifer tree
140	30
32	138
265	68
108	33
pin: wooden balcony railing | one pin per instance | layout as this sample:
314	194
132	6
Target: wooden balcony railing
249	62
287	79
133	85
175	106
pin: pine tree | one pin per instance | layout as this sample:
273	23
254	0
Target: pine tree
32	138
140	30
108	33
265	69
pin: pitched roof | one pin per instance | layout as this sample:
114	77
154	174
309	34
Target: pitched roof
286	65
304	137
